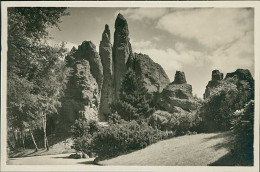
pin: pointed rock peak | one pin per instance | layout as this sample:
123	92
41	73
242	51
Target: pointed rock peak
120	21
179	78
216	75
106	27
106	34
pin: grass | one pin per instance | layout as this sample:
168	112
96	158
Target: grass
193	150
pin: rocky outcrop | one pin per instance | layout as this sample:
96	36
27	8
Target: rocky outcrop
179	78
87	51
81	95
105	52
176	95
216	79
152	73
242	75
242	78
122	52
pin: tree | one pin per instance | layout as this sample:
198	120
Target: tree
217	110
243	129
134	100
31	63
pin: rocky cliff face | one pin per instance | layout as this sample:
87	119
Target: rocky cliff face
105	52
87	51
176	95
82	93
152	73
122	52
216	79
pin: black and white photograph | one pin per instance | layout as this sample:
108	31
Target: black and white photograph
123	86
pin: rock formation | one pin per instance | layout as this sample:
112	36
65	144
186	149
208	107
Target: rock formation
152	73
216	79
87	51
242	78
122	52
179	78
105	52
82	95
242	75
176	95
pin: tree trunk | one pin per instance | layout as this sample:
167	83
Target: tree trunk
22	137
15	139
36	147
46	144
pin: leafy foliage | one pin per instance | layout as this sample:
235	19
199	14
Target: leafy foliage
216	111
82	134
32	65
180	123
243	128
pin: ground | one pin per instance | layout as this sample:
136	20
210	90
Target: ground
193	150
189	150
60	159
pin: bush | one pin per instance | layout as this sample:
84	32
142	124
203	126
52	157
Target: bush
180	123
123	138
243	128
82	134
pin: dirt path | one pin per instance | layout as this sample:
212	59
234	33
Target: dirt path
60	159
194	150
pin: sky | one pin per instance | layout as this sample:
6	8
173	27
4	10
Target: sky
193	40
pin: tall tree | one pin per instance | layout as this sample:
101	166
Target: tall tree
134	101
32	65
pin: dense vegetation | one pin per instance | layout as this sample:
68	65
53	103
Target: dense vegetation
32	66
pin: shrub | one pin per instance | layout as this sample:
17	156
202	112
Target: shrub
243	128
180	123
123	138
82	134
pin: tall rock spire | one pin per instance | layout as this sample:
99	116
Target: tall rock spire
105	52
122	51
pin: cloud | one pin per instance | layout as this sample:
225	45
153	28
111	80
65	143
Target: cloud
211	27
68	45
171	59
144	13
238	55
